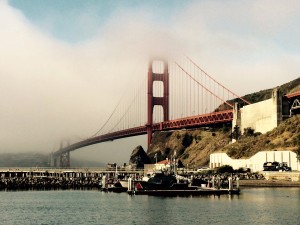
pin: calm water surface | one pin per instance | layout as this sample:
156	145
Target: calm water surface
253	206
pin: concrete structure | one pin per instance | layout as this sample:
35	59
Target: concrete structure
261	116
255	163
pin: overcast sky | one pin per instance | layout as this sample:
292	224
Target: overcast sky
65	64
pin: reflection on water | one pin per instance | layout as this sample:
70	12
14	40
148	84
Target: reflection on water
253	206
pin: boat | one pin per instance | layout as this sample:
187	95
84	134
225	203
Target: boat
160	180
167	184
124	182
165	181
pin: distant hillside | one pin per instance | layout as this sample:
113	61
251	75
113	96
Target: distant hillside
75	162
287	88
23	160
39	160
290	87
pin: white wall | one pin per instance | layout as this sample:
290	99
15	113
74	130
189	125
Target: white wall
255	163
261	116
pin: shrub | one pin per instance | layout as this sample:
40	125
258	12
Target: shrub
248	132
232	151
257	134
197	138
225	169
185	155
187	140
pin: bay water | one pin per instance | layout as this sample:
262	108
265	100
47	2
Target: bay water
62	207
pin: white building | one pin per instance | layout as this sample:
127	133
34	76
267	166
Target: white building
255	163
162	165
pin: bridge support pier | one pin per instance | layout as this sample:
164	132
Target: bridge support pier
64	160
52	160
61	160
161	100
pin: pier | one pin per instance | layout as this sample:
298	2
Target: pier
50	178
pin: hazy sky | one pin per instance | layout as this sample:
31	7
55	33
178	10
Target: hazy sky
64	64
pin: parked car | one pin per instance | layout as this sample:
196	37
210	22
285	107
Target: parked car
203	169
276	166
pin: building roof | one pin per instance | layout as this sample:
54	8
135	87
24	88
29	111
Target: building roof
164	162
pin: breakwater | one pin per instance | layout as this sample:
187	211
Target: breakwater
49	178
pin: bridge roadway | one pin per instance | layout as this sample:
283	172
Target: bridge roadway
188	122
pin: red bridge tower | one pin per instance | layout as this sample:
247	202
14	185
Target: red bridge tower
162	100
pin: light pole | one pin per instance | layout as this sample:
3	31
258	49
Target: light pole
155	156
174	162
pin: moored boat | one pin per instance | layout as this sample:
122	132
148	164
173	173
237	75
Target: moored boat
166	184
163	181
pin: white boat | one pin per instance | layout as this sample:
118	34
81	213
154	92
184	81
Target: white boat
124	183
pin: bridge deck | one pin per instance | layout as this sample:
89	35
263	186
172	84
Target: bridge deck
188	122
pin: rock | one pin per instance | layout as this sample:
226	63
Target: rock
139	157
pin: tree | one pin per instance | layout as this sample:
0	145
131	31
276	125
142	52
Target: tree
225	169
236	132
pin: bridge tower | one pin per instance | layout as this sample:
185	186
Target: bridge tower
161	100
61	159
65	160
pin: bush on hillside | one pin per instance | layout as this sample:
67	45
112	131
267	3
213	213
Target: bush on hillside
248	132
187	140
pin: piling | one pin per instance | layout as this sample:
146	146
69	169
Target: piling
230	183
129	184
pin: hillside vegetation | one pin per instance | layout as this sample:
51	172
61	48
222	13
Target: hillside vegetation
193	147
283	137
